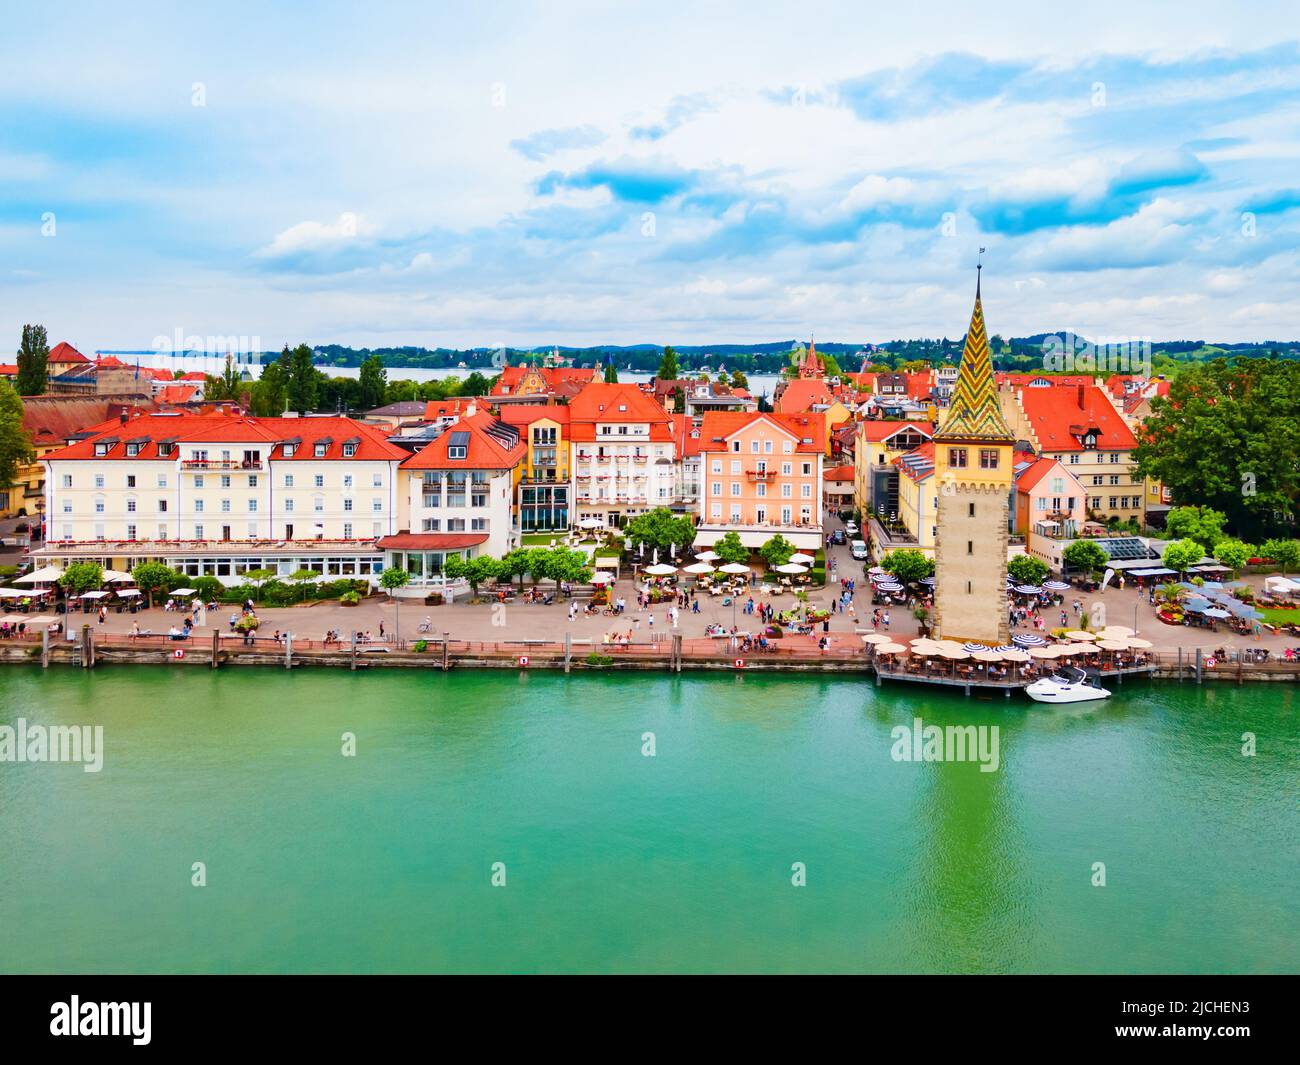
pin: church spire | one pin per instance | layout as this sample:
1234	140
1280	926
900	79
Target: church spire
975	413
810	366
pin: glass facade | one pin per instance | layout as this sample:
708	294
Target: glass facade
543	507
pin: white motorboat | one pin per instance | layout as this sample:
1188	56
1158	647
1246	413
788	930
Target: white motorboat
1065	685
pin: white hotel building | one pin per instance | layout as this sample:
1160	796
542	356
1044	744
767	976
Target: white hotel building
218	494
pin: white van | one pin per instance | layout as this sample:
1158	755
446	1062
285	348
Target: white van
858	549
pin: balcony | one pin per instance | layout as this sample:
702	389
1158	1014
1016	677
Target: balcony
761	476
221	464
640	460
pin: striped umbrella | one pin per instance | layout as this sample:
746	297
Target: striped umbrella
1028	639
1055	586
973	647
1004	648
888	587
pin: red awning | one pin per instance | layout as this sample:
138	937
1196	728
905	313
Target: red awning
431	541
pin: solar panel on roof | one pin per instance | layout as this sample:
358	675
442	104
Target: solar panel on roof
459	439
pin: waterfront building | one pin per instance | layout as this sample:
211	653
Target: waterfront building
814	394
875	476
221	493
973	451
1080	425
1049	505
762	475
624	453
459	491
545	491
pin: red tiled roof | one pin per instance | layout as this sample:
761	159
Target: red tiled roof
485	450
178	394
917	471
210	427
52	420
686	435
802	394
561	379
1026	481
840	473
527	413
447	408
1060	417
63	352
430	541
719	426
1022	380
8	369
612	404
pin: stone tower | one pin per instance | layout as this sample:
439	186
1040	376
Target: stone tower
973	476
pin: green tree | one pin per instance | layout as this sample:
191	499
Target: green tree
739	380
208	589
81	577
1028	570
474	570
659	529
1233	553
373	380
391	579
302	578
1226	437
33	361
1202	524
258	577
908	565
516	563
668	365
1285	553
1085	556
611	372
270	392
777	551
565	564
730	549
304	387
15	441
153	577
225	385
1180	554
475	385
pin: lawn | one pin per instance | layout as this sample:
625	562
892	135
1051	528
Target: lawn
1280	616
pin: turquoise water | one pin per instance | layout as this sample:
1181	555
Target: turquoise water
618	862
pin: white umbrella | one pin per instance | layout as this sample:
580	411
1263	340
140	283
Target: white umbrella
602	578
1014	655
706	556
876	637
590	523
792	567
1081	634
956	654
1113	645
13	593
12	619
660	569
889	648
44	575
127	593
181	591
698	567
1136	644
93	595
800	557
112	576
42	619
734	567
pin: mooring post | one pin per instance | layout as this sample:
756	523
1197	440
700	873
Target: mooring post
352	654
568	650
288	650
45	648
87	648
675	663
445	650
1198	665
216	647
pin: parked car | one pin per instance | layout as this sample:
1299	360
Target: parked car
858	549
838	538
851	527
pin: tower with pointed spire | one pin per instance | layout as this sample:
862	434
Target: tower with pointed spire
973	475
810	366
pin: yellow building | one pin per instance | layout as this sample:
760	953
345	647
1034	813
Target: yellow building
877	444
973	474
543	484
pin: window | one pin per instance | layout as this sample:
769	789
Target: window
130	509
735	445
349	449
377	481
455	525
432	525
101	450
347	504
347	530
130	480
715	511
478	524
347	480
318	504
225	480
805	491
162	506
971	513
225	506
957	457
717	468
67	480
288	506
735	466
735	488
198	480
787	491
319	449
786	469
252	480
67	506
988	458
252	505
99	504
99	480
320	480
807	469
970	547
715	488
130	532
288	480
377	505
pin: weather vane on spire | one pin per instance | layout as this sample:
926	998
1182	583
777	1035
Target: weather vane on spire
979	261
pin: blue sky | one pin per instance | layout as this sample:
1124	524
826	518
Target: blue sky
386	174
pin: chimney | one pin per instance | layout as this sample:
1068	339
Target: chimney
122	416
1080	396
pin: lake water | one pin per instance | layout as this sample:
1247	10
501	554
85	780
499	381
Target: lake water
615	861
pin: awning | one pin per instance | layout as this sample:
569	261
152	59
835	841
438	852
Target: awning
93	595
758	537
606	562
1156	571
431	541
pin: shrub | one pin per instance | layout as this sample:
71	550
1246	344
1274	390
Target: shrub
420	646
350	599
595	659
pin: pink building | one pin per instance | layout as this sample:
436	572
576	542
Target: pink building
761	475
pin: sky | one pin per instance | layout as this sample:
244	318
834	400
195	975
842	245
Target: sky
580	173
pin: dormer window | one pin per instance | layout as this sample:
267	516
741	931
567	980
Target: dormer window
164	451
350	448
101	450
319	450
1090	440
289	450
458	446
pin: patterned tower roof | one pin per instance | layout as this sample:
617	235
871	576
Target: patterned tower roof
811	365
975	413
